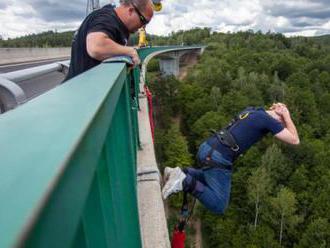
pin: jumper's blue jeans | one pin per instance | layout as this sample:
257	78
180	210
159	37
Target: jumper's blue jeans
210	185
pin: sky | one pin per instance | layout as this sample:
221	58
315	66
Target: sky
290	17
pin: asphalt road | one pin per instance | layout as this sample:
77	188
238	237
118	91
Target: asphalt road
25	65
39	85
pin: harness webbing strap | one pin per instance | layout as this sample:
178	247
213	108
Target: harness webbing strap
225	137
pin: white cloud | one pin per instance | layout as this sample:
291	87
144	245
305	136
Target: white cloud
310	32
326	25
21	19
304	17
219	15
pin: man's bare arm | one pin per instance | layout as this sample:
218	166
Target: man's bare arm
100	47
289	134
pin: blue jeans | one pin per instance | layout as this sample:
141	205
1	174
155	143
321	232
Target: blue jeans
211	185
216	157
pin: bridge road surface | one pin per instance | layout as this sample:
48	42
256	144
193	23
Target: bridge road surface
38	85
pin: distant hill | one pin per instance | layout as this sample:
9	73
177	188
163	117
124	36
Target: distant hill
64	39
323	40
53	39
45	39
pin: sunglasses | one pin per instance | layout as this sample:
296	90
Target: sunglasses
143	20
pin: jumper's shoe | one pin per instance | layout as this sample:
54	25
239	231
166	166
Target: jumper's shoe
174	182
167	173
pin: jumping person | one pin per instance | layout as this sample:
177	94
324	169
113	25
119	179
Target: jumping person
211	185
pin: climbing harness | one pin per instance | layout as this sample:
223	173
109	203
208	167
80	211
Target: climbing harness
225	137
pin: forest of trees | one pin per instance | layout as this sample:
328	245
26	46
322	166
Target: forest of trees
280	194
193	36
45	39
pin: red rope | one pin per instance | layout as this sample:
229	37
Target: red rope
151	118
178	239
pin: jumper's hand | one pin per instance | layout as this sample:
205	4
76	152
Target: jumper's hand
282	110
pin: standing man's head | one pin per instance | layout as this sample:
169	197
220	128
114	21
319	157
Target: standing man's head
135	13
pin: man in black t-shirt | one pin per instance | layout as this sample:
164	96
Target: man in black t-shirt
104	34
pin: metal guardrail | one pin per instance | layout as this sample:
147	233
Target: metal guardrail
11	94
145	52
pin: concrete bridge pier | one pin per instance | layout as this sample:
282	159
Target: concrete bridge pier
170	62
169	66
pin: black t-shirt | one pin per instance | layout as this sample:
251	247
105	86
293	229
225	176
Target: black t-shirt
102	20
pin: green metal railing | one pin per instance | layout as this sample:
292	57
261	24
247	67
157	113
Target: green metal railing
144	52
68	162
67	178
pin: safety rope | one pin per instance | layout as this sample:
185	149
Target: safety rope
179	235
150	107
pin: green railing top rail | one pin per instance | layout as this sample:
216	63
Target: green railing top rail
145	52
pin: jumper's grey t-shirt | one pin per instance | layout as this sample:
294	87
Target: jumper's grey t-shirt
249	131
102	20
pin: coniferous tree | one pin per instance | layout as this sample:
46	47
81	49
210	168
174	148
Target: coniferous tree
176	151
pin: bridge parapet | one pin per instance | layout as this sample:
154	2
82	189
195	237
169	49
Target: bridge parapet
68	165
